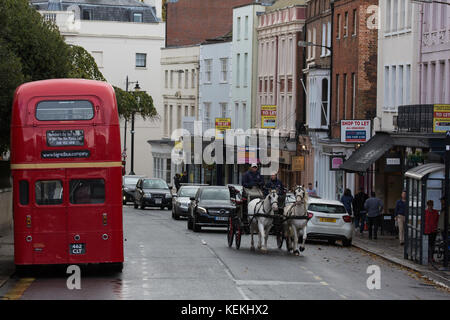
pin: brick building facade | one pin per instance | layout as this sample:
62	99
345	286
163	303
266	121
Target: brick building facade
194	21
354	73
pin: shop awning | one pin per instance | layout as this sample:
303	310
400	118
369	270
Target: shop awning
374	149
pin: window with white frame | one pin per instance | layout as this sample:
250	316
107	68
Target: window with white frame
355	22
171	79
329	38
193	78
245	69
207	114
386	87
388	15
400	85
394	86
324	39
208	70
186	78
238	36
180	74
223	109
166	114
224	69
166	79
238	69
346	24
246	28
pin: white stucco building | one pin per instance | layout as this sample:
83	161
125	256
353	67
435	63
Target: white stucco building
244	65
398	57
125	40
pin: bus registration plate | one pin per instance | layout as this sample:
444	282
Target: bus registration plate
77	248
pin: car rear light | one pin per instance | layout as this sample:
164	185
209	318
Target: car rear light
347	218
29	221
105	219
244	199
310	215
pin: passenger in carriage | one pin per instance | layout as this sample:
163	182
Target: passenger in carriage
275	183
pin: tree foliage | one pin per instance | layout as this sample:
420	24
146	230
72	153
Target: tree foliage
32	48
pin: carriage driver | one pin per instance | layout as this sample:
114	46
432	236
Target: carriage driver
275	183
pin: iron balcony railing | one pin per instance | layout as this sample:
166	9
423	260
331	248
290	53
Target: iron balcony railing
415	118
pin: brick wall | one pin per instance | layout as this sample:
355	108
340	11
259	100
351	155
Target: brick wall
193	21
354	54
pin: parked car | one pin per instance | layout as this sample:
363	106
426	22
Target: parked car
180	201
129	187
152	192
330	221
210	207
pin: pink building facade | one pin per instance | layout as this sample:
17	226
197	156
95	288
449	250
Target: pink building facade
435	53
279	76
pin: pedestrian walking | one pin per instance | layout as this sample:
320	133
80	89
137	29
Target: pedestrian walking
347	201
311	191
374	206
399	216
176	181
359	210
431	226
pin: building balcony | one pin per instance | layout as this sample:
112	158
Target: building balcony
415	118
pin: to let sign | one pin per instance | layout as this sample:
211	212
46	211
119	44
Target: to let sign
268	117
441	118
355	131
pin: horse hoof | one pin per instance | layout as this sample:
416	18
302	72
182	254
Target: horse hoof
252	248
296	253
302	249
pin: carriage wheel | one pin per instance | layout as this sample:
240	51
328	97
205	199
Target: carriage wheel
230	232
280	239
238	236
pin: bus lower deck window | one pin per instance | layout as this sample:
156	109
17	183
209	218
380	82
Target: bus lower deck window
86	191
49	192
24	192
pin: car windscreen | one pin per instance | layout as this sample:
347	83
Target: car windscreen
326	208
130	181
188	192
155	184
215	194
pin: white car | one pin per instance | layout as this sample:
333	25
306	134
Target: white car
330	221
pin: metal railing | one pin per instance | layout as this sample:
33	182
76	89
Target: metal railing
415	118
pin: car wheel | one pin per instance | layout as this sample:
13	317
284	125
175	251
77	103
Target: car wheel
347	242
331	242
142	206
195	226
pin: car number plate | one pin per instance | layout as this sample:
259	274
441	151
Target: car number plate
221	218
158	201
77	248
328	220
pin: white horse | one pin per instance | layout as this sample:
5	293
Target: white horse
293	226
262	225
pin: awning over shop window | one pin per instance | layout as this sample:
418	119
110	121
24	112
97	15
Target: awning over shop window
367	154
377	146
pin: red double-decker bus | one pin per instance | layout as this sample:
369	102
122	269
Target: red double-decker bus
66	169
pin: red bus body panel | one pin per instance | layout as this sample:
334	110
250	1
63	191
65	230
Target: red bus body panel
43	233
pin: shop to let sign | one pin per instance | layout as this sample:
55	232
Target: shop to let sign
268	117
356	131
441	118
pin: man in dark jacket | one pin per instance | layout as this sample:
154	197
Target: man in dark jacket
253	184
359	210
275	183
184	177
374	207
176	181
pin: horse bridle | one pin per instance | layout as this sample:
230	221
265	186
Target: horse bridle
271	202
296	196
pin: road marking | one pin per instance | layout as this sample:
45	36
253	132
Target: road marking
317	278
19	289
271	283
323	283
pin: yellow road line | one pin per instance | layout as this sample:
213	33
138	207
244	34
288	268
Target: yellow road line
19	289
55	165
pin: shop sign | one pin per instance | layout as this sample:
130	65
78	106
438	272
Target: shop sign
298	163
247	154
441	118
268	117
355	131
222	124
335	162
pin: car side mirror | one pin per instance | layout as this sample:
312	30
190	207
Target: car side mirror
192	198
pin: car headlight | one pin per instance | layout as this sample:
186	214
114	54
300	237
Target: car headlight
148	195
126	189
202	210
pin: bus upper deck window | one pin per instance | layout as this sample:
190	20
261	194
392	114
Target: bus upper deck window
49	192
24	192
64	110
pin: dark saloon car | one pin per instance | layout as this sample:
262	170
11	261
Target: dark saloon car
128	188
152	192
210	207
181	200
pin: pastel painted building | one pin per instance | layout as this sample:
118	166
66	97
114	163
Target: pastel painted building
434	71
244	64
279	75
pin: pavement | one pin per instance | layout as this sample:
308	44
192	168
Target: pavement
386	247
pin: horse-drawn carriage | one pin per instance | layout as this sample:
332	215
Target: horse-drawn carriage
262	215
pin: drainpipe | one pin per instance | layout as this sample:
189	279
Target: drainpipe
331	69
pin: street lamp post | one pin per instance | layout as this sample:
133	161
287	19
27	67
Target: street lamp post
136	89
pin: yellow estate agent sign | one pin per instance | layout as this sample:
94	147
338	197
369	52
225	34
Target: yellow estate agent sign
268	117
